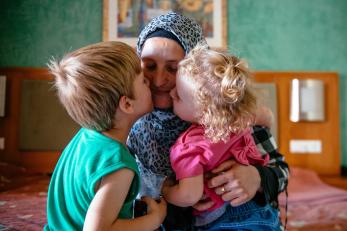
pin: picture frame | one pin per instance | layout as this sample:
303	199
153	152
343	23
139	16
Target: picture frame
123	20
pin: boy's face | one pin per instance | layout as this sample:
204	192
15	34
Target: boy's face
142	96
184	102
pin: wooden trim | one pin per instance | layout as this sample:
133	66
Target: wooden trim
336	181
105	29
43	161
225	24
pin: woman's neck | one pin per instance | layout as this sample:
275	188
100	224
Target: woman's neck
168	109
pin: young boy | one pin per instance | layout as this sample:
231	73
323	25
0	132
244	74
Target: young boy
96	179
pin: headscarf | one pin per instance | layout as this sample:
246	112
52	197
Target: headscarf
187	30
164	34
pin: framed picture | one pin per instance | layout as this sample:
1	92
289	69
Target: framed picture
123	20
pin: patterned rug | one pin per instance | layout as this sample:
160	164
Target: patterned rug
22	199
23	202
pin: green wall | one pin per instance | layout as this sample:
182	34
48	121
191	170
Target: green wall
270	34
293	35
32	31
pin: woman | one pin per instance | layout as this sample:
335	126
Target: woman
161	45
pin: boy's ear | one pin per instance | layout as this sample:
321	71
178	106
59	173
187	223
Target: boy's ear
126	105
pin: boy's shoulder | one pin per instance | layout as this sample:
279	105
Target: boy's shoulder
94	144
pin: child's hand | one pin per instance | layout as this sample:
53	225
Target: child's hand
157	209
204	203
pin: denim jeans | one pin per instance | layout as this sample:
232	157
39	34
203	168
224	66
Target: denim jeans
249	216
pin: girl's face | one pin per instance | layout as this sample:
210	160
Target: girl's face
184	102
160	58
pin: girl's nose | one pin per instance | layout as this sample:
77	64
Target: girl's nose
173	94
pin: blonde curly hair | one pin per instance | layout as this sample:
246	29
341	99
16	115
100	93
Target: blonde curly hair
225	100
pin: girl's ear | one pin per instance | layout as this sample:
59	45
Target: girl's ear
126	105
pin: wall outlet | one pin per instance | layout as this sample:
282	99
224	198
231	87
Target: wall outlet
2	143
305	146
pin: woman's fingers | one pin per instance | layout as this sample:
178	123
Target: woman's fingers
221	179
225	166
227	187
234	192
235	182
240	200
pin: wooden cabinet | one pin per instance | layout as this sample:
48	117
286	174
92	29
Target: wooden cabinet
35	126
328	131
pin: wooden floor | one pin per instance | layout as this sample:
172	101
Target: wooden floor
338	181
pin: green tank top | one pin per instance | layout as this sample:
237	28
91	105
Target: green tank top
87	158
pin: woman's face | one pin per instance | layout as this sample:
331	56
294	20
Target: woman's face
160	58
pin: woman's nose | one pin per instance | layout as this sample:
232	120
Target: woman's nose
159	79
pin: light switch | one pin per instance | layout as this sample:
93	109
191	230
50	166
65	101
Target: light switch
305	146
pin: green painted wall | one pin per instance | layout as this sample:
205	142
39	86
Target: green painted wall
32	31
293	35
270	34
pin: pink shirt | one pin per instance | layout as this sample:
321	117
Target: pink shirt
193	154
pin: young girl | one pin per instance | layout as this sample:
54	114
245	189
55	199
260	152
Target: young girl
213	92
96	179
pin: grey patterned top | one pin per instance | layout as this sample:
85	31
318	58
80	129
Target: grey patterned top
150	140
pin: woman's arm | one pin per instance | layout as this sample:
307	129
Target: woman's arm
274	176
186	193
103	211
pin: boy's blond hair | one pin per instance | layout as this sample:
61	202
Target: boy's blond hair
225	100
91	80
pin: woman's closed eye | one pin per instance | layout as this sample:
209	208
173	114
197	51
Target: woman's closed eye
151	67
172	69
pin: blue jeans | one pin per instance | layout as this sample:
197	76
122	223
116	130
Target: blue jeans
249	216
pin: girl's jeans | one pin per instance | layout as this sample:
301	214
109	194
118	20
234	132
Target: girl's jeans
249	216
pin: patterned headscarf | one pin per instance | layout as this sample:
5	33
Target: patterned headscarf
188	32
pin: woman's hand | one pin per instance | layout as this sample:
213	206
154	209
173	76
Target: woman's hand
235	182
